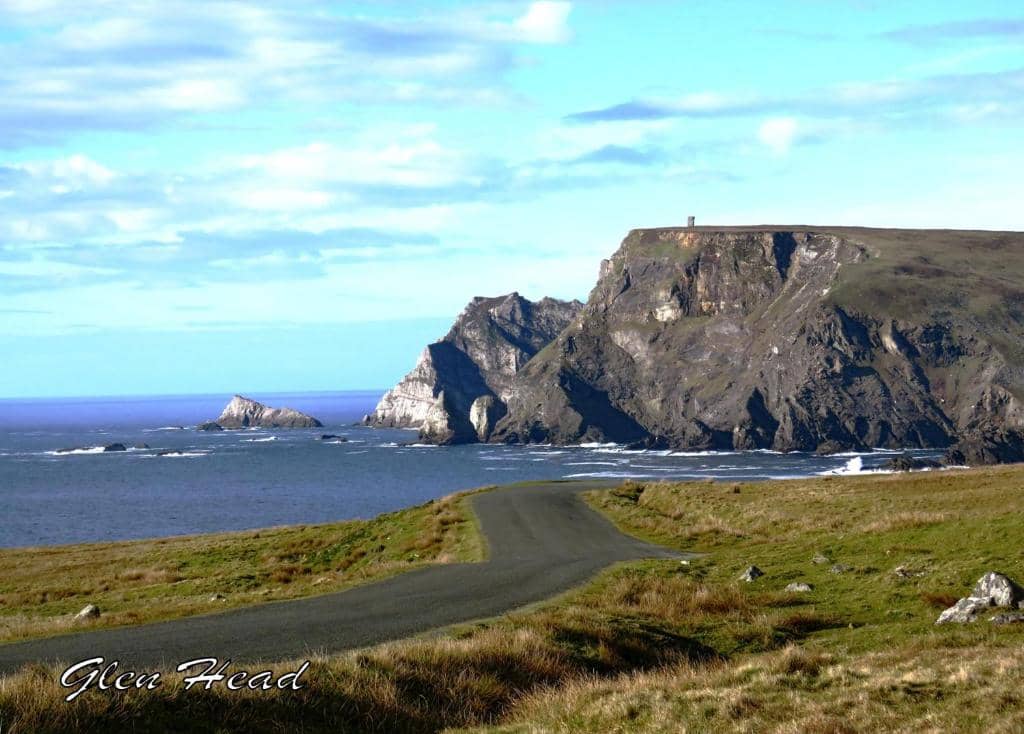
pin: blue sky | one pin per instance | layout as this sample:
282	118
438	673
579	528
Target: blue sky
221	196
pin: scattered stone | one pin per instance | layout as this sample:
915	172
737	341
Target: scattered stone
992	590
89	611
906	462
840	568
1000	589
115	447
210	426
1008	618
965	610
218	597
819	560
799	587
905	573
332	437
684	563
141	446
751	574
321	580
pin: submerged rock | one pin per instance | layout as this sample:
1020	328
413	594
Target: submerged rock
210	426
910	463
333	439
115	447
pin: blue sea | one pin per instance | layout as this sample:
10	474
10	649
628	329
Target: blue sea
254	478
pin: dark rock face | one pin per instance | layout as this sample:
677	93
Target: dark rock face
910	463
789	340
993	446
458	389
115	447
333	439
243	412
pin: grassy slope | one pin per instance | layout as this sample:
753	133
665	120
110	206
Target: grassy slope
41	589
657	646
878	662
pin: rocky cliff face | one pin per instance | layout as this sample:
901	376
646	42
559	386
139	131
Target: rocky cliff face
788	339
242	412
458	389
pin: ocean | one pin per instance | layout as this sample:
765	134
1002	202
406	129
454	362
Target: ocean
255	478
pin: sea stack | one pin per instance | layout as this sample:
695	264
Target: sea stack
457	391
244	412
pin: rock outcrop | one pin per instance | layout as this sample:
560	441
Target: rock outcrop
458	389
243	412
789	339
992	590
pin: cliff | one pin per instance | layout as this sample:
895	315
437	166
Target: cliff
242	412
789	338
459	387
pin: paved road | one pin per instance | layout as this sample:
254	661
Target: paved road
542	538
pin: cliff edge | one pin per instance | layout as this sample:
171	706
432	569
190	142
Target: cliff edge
458	389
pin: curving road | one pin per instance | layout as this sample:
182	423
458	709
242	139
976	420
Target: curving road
542	538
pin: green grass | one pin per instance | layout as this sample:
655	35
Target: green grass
663	646
133	582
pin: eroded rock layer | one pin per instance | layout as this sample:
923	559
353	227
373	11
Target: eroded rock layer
457	391
789	339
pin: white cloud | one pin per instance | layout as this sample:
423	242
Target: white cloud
544	22
778	133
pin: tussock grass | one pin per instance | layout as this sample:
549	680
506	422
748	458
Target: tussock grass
41	589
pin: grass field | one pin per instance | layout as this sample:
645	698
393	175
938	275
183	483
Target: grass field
662	646
41	589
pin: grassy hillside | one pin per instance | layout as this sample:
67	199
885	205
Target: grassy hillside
661	646
41	589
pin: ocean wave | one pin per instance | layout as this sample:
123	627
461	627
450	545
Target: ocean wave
606	475
181	454
597	445
163	428
79	452
854	467
593	463
259	440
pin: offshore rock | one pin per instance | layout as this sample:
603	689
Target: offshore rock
458	389
243	412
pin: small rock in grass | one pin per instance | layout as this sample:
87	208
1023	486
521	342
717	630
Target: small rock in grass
905	573
965	610
217	597
819	560
751	574
839	568
1000	589
321	580
89	611
1008	618
799	587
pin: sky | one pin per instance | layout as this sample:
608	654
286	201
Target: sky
204	197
